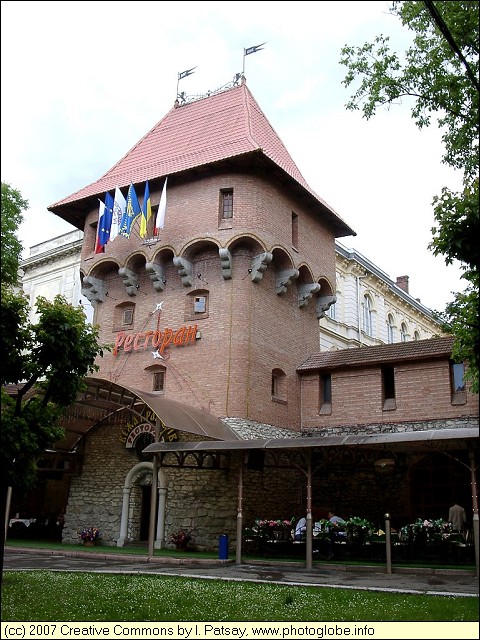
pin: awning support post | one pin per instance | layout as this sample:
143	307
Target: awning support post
238	556
309	529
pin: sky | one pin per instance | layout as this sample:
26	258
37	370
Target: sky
83	82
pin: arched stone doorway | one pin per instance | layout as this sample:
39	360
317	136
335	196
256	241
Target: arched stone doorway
140	477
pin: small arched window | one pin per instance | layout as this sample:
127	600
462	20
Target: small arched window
123	316
390	329
196	305
403	332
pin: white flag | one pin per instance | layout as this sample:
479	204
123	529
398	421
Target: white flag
161	208
119	205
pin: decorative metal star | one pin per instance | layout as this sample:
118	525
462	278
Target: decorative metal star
156	354
159	306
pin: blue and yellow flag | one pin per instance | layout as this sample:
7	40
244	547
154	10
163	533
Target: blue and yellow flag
146	212
132	210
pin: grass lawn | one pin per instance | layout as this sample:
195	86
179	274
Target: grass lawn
82	596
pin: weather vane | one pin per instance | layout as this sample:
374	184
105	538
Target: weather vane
184	74
249	50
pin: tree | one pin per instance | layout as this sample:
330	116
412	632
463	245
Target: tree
439	73
13	206
42	369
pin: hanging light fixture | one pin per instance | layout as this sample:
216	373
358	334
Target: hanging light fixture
384	466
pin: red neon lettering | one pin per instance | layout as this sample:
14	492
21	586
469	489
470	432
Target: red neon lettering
179	337
138	337
127	345
118	341
167	338
147	336
191	334
157	338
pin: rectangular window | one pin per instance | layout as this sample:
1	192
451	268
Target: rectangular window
457	377
158	380
294	230
279	386
457	382
325	391
200	304
127	316
388	388
226	204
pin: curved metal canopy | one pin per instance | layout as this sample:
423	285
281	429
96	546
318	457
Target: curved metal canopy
103	399
440	439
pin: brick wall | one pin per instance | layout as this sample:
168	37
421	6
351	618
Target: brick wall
422	393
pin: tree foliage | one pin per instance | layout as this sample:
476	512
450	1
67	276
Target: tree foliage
42	368
13	206
43	365
439	74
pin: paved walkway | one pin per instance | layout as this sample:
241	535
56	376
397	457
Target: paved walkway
445	582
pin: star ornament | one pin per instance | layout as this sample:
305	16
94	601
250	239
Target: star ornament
159	306
156	354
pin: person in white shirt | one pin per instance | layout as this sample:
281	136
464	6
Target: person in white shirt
300	529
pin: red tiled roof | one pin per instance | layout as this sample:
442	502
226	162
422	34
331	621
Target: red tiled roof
224	125
381	354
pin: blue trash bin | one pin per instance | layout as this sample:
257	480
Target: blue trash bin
223	547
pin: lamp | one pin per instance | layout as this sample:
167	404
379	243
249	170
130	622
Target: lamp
384	466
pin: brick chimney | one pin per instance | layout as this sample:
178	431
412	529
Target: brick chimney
402	282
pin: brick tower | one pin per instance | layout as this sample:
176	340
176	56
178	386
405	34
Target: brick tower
219	307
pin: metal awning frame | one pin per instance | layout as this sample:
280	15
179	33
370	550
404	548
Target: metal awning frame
438	441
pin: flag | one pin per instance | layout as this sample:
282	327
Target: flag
104	223
132	210
146	212
161	209
184	74
119	205
258	47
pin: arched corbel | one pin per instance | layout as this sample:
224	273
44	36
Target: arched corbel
323	304
156	273
284	279
184	268
93	289
259	265
305	293
130	280
225	263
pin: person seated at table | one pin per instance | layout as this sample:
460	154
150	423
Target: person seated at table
335	520
337	533
300	529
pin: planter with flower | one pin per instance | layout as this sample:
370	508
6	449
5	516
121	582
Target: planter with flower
90	536
423	531
181	539
359	530
270	530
